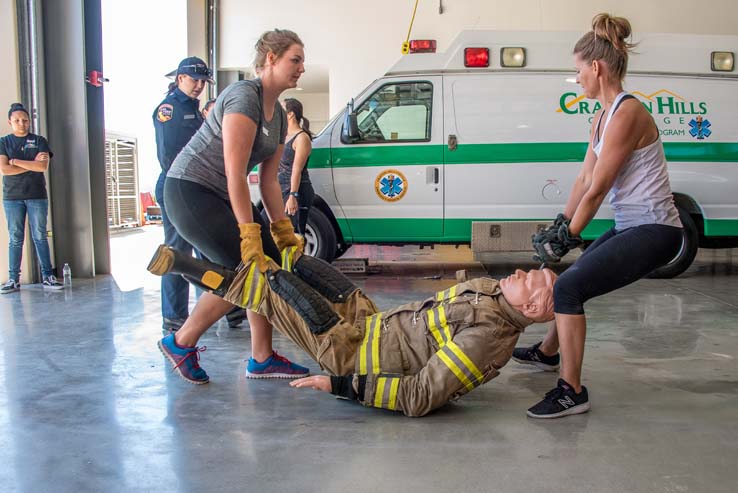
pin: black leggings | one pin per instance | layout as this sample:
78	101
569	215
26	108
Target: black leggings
614	260
304	202
207	222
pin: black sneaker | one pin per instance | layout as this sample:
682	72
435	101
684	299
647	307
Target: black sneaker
10	287
235	317
52	283
533	356
561	401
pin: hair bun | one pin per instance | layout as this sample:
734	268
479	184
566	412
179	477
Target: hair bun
613	29
17	107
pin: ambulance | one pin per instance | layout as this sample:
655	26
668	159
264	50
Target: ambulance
480	145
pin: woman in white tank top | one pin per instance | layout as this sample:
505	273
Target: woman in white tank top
625	159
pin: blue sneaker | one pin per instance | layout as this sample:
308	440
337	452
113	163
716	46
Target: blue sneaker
185	360
275	366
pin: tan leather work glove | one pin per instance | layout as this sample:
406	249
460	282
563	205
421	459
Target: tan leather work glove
251	247
284	235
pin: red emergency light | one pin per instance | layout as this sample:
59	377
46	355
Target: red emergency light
422	46
476	57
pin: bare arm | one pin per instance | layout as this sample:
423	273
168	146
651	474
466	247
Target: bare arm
39	164
581	183
621	141
238	139
8	169
271	194
303	147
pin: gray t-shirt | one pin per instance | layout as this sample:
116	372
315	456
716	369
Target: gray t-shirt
201	160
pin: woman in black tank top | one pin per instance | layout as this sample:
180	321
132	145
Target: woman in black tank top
297	191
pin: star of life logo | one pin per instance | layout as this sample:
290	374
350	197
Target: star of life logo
390	185
700	128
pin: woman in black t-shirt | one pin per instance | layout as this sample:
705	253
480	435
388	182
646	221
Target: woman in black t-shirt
24	157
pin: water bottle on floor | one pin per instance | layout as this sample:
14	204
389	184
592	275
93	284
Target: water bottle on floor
67	271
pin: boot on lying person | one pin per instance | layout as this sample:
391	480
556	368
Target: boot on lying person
474	324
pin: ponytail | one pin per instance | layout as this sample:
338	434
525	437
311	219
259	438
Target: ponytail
295	106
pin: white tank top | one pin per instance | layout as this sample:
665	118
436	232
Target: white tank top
641	193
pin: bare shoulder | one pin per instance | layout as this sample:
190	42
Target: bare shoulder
302	140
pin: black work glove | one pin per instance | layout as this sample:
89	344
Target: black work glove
567	239
555	242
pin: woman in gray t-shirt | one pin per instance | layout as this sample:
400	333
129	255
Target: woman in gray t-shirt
207	198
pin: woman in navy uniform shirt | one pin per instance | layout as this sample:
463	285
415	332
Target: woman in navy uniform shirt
23	159
176	119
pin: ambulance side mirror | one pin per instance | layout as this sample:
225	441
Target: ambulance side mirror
350	130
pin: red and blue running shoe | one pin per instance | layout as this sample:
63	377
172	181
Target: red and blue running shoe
275	366
186	360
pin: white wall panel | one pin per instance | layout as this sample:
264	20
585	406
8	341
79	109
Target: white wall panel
358	40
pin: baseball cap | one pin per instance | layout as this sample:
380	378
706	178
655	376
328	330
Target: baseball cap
194	67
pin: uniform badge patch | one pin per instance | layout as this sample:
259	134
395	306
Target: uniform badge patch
390	185
164	113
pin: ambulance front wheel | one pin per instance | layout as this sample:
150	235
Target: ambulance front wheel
320	238
687	250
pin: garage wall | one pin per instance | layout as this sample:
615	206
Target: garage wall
9	93
360	40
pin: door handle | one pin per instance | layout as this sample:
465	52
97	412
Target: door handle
452	142
436	175
432	175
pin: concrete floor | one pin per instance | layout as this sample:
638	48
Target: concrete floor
89	404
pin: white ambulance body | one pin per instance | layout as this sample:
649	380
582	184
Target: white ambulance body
442	152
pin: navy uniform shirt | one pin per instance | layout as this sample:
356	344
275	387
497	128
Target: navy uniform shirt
176	120
31	184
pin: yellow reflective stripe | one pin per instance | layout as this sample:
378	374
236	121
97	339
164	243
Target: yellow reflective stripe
452	293
434	329
379	392
444	323
288	258
370	346
467	362
448	294
259	288
455	369
393	394
375	345
362	351
246	295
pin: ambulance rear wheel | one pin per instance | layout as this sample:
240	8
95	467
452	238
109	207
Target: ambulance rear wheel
320	238
687	250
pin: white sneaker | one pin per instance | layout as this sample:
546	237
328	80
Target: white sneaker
51	283
10	287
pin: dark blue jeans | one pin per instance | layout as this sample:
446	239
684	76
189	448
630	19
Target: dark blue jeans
15	212
175	291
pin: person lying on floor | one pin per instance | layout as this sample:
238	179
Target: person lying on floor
413	358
